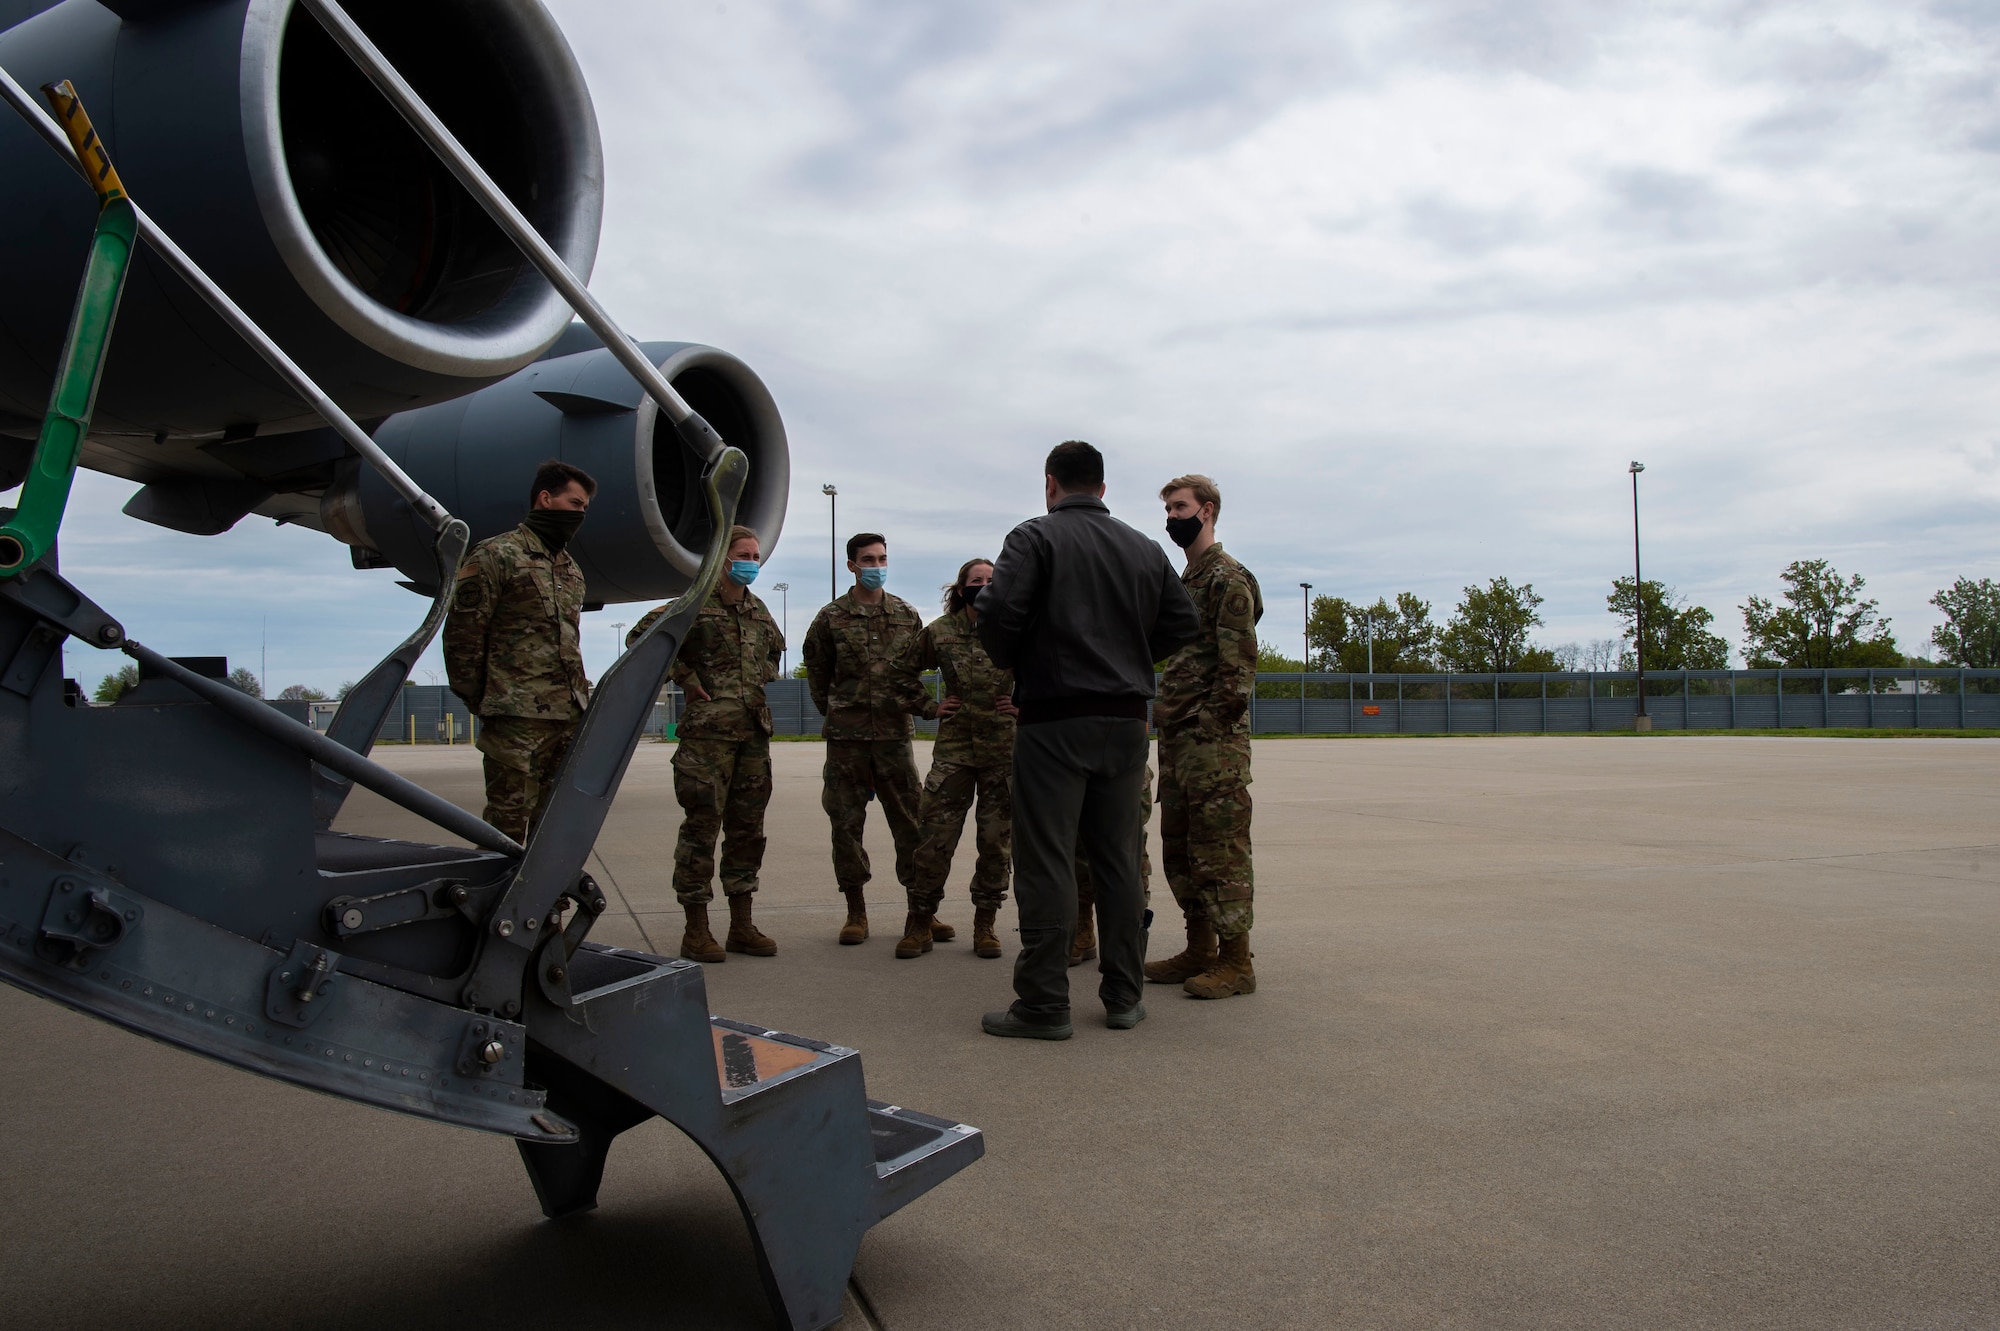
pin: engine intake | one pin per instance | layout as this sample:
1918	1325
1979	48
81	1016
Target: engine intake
257	144
648	525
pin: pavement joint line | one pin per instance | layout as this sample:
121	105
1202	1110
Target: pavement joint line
630	914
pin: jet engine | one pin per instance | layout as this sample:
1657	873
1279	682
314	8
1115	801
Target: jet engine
261	148
648	524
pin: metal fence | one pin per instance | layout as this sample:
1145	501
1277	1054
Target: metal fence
1337	704
1320	704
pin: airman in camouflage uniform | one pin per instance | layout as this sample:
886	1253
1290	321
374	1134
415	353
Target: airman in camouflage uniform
1203	715
974	756
722	761
852	657
511	648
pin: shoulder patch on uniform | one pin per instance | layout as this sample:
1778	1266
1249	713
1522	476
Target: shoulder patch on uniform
1238	604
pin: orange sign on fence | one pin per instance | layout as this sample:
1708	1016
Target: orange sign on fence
1370	709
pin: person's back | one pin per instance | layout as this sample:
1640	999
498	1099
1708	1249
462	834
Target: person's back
1080	607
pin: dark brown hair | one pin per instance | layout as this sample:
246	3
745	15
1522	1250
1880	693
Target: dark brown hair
555	477
1075	465
954	592
862	539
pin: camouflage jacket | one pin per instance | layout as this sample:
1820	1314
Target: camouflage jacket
731	652
853	657
510	641
976	733
1210	681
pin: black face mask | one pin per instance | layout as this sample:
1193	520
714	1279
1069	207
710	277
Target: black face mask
1183	531
555	526
969	596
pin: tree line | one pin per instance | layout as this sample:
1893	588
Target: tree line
1818	619
126	678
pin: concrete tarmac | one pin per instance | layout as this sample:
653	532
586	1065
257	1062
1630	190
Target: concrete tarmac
1551	1032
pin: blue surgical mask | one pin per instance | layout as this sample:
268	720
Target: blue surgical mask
743	572
874	579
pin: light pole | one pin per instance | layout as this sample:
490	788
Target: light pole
1369	621
1307	589
1641	721
784	626
832	541
1306	595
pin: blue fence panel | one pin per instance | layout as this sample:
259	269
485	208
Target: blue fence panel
1694	700
1339	704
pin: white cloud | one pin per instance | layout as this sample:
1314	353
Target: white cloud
1413	282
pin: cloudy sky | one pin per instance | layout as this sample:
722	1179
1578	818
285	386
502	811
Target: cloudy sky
1412	281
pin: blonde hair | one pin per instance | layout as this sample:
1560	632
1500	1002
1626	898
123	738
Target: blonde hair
1205	491
741	533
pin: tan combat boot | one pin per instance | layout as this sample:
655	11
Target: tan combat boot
856	928
916	935
698	944
985	942
1198	956
941	931
744	935
1231	973
1083	947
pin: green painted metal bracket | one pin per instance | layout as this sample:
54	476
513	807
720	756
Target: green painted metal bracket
29	534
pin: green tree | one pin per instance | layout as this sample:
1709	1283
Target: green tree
346	687
1489	631
1970	634
1272	661
1677	634
245	679
113	687
1405	637
301	693
1824	623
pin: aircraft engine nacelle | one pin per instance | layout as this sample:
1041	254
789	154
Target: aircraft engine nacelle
648	524
260	147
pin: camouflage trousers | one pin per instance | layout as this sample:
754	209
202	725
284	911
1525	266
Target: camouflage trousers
1205	827
1086	890
948	795
856	770
724	786
522	755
